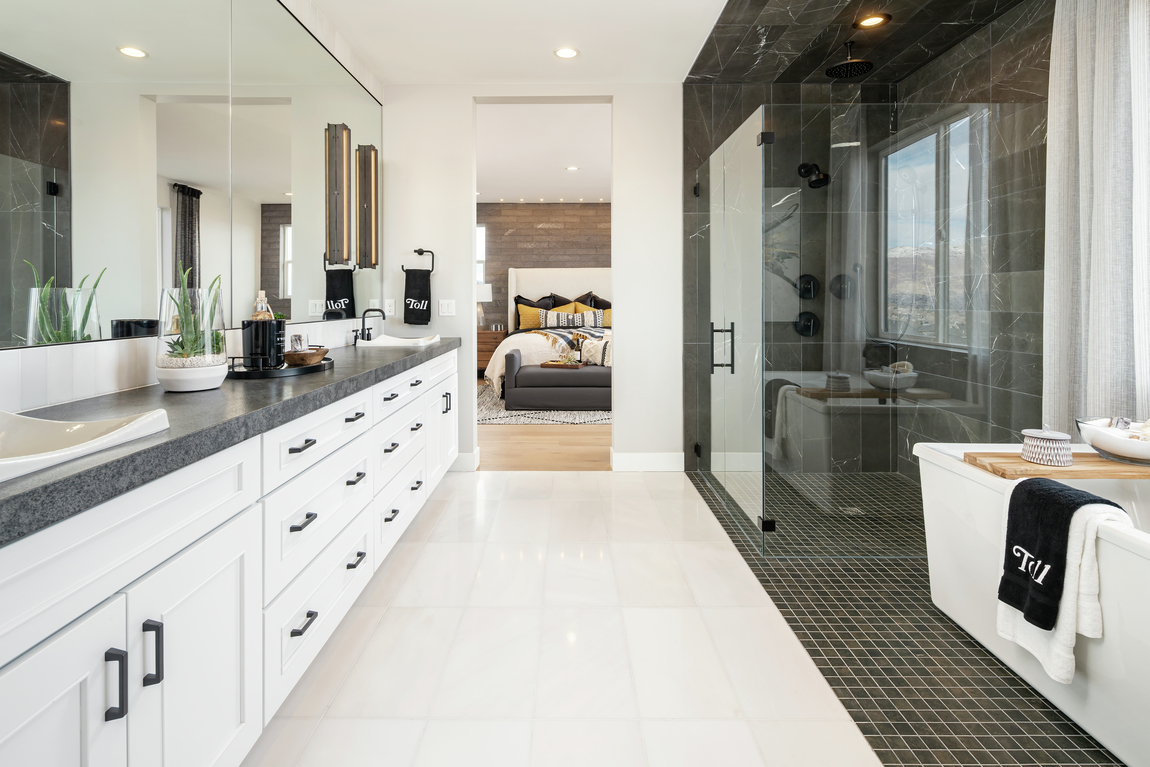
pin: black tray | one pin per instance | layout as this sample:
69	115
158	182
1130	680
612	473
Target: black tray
238	371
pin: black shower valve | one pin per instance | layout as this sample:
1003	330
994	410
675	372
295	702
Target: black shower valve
807	324
808	286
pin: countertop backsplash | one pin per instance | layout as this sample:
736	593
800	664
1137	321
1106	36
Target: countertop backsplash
37	376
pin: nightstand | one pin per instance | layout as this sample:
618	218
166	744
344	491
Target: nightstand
486	341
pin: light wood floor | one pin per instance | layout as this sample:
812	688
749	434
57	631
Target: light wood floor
545	448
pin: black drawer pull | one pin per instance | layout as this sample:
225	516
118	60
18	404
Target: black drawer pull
391	449
359	555
308	518
359	475
354	418
446	404
416	382
394	514
390	397
417	427
418	484
158	628
120	658
449	405
311	616
306	444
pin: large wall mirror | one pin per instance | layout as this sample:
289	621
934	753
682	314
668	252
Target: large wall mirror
140	139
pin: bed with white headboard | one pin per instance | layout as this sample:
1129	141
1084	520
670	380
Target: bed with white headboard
533	284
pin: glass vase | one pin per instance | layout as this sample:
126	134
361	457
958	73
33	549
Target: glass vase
191	329
62	315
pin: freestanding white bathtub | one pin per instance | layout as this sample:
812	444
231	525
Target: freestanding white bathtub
1110	696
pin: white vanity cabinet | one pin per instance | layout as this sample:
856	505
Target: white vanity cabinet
188	608
58	702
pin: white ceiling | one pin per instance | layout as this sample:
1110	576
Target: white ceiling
522	152
513	41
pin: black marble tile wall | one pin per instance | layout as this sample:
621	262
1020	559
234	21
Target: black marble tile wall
35	221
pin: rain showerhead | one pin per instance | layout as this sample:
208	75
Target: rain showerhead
818	179
851	67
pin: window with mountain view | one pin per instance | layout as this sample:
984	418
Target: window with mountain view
926	183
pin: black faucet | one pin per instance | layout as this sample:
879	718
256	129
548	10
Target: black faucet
364	331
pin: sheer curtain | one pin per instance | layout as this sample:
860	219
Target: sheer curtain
1096	339
186	234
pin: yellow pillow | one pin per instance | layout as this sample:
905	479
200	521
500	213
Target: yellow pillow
528	317
606	318
573	308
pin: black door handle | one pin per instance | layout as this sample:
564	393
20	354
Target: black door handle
390	397
158	629
391	449
447	403
306	444
418	484
730	364
354	418
120	657
359	555
359	475
311	616
394	514
416	382
308	518
417	427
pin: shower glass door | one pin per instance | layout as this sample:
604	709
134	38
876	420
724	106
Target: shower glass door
736	317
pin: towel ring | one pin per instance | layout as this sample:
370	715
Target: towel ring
420	252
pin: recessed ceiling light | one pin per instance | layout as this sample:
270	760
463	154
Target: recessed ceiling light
501	199
135	53
572	167
567	53
288	194
600	199
870	21
560	199
520	199
580	199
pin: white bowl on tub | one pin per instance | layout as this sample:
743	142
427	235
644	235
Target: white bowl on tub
889	380
1112	442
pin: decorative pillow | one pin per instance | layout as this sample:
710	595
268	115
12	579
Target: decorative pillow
606	317
593	301
573	308
591	319
530	318
559	300
597	352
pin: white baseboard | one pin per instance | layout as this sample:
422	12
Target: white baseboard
646	461
466	462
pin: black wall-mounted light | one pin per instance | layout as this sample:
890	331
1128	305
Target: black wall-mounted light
367	206
337	193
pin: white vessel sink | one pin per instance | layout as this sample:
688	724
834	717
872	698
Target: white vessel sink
393	341
30	444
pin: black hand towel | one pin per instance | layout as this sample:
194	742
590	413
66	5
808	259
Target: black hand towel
1037	528
340	293
417	297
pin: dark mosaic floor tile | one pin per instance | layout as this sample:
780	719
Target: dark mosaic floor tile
847	569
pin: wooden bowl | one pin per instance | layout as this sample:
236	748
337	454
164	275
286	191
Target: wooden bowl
299	359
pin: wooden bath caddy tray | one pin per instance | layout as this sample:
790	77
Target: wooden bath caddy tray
1086	466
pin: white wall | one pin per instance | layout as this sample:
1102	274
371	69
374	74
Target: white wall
245	262
429	202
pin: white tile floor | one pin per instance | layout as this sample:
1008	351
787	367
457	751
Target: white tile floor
563	619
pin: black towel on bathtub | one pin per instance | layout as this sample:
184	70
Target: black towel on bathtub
417	297
1037	529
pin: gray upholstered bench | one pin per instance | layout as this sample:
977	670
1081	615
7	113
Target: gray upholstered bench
531	387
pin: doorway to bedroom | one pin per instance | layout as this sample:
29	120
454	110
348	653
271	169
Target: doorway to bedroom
543	275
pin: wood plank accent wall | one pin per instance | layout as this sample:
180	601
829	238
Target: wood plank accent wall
272	217
526	235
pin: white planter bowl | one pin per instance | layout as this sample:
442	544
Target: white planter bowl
882	379
191	379
1119	444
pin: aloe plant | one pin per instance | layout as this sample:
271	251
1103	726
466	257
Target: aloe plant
194	330
62	328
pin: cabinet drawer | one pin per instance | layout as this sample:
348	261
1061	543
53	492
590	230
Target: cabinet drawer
397	505
398	438
309	511
439	367
392	395
295	446
311	608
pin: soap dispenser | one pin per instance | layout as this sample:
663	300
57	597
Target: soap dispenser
263	308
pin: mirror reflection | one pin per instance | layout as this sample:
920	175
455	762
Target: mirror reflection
227	176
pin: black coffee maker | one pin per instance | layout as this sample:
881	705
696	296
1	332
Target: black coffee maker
263	343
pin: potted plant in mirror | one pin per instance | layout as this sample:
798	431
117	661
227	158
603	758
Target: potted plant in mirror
62	315
190	355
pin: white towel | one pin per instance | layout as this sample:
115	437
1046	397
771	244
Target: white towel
1079	611
779	441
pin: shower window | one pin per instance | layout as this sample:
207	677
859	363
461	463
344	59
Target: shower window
926	182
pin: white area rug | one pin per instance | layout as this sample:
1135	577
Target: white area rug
490	411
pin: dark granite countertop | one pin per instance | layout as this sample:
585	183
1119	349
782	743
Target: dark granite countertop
200	424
